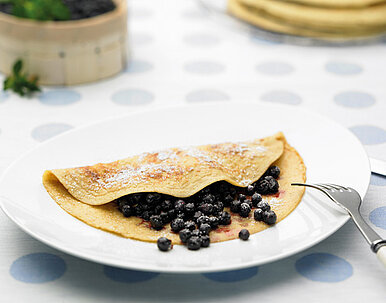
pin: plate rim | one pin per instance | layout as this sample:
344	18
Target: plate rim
179	270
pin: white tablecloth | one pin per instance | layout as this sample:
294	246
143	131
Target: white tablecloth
180	56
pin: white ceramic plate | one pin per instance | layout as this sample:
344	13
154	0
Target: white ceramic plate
331	153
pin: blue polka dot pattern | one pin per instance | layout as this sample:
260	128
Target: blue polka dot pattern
233	276
343	68
354	99
206	95
128	276
378	217
323	267
59	97
139	66
204	67
38	268
132	97
202	39
47	131
3	96
377	180
281	96
275	68
139	39
369	134
258	39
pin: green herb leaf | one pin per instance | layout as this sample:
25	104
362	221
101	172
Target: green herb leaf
21	83
42	10
17	67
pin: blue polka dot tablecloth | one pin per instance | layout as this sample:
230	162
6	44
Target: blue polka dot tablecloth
182	57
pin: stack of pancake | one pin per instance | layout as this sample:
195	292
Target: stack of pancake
314	18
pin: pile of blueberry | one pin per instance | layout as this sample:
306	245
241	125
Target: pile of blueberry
194	217
79	9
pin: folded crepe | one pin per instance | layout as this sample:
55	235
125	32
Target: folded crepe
88	193
307	19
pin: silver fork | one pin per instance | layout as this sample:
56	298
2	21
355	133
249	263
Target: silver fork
349	199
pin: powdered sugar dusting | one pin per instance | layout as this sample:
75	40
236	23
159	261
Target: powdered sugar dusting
177	162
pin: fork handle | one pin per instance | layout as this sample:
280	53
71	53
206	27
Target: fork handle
377	244
381	254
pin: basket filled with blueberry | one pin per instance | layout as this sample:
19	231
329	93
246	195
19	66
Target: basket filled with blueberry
199	218
64	42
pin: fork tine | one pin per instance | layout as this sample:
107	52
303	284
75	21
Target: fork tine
336	186
317	186
324	186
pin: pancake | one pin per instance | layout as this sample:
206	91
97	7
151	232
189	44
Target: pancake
238	163
270	22
337	4
371	17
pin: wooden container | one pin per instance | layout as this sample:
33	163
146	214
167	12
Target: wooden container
66	52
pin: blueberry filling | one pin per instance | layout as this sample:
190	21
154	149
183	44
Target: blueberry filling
194	217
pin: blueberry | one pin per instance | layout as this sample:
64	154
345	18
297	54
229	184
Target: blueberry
166	205
232	191
242	197
164	244
127	211
262	186
177	224
227	200
219	207
204	191
190	225
122	201
273	171
157	209
225	218
273	184
172	214
202	220
179	205
213	221
136	198
196	233
235	206
205	229
137	211
152	198
264	206
206	208
156	222
145	215
258	214
165	217
222	187
245	209
205	241
269	217
194	243
196	215
244	234
256	198
189	208
185	234
209	198
250	190
181	216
